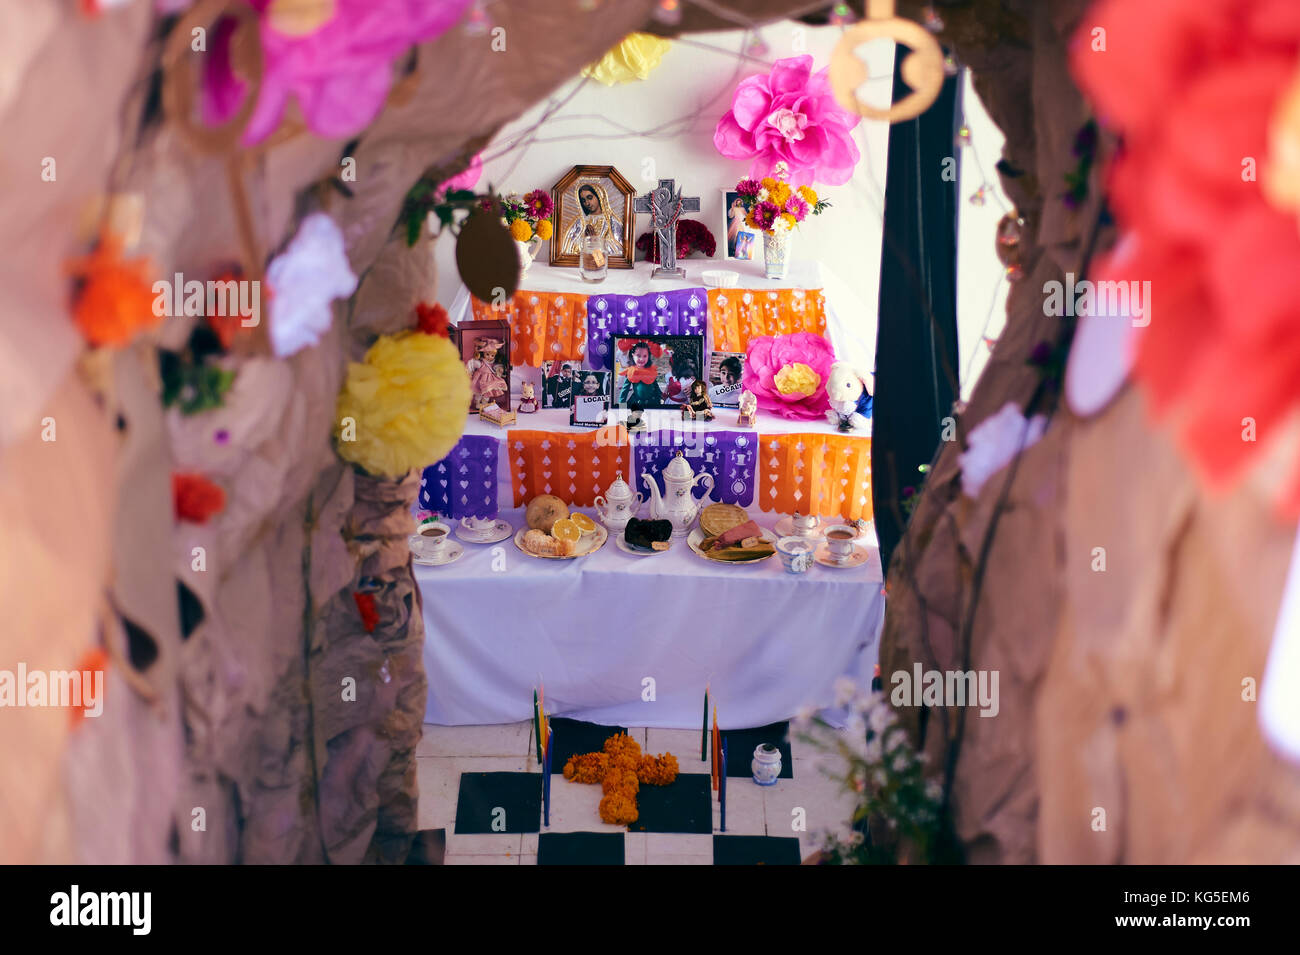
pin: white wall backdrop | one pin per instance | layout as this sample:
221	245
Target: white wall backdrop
663	127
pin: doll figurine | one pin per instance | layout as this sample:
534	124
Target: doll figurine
698	403
748	410
634	420
527	398
487	377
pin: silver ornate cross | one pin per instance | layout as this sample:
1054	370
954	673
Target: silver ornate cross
665	204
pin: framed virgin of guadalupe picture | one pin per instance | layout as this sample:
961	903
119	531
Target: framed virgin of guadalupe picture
593	203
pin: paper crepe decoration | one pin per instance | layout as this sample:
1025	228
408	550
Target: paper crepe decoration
679	312
729	456
543	325
737	315
633	59
573	467
338	67
464	483
405	403
304	280
826	475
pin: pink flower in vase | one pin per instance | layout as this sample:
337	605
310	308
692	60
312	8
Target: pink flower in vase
790	115
340	72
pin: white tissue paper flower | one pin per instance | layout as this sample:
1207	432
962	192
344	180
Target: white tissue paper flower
882	717
304	279
845	690
994	442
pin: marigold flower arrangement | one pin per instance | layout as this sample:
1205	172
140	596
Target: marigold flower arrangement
528	216
621	770
772	205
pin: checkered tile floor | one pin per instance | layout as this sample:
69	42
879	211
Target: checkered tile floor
447	753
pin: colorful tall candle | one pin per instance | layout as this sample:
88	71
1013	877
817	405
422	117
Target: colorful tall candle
722	791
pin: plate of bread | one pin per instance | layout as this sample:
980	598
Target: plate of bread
553	533
726	534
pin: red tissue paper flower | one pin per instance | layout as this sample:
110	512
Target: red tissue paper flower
692	236
432	319
365	602
1199	93
196	498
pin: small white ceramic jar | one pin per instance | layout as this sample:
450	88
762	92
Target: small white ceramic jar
766	766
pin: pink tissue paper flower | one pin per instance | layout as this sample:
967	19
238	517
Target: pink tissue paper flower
340	72
787	374
790	115
465	180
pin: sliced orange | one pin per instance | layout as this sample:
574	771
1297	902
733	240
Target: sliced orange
585	523
566	529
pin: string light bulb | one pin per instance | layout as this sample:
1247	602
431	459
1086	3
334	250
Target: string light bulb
963	135
757	47
477	23
933	22
841	15
669	12
950	67
978	196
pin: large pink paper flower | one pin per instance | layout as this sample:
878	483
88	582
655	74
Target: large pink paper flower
340	72
787	374
790	115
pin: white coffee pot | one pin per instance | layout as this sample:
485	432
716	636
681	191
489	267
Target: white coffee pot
618	504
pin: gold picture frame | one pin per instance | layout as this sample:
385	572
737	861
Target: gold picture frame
609	209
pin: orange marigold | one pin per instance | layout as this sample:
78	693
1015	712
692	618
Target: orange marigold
619	781
622	743
618	809
587	768
658	770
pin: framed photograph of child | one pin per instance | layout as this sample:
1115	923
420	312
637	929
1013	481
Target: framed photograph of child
590	407
742	241
484	346
726	369
656	371
558	382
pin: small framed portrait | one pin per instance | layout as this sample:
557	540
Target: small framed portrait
590	406
656	371
593	202
558	382
485	349
742	241
726	368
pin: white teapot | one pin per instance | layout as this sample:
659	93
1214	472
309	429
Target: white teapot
677	504
618	504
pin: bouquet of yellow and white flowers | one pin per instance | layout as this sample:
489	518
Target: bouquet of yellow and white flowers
772	205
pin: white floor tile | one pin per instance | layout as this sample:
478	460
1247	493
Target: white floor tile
745	809
482	860
680	859
484	844
528	858
659	844
507	739
634	848
684	744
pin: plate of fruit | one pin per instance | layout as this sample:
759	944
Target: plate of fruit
555	533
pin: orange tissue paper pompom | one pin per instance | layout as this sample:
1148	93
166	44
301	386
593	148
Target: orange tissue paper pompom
196	498
114	298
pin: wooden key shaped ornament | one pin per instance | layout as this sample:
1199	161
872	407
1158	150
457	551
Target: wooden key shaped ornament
922	69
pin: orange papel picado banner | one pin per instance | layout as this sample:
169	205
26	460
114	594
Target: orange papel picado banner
824	474
737	315
574	467
544	326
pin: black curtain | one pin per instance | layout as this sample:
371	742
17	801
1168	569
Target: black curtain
916	337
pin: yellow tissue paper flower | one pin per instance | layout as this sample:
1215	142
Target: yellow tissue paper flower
808	194
797	379
545	230
521	231
407	402
633	59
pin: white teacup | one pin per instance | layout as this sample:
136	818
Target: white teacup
479	526
804	523
430	540
839	541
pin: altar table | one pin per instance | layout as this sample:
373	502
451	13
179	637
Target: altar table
597	629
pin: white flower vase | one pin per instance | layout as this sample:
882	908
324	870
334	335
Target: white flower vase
527	252
776	253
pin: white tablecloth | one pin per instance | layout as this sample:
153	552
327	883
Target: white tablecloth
595	629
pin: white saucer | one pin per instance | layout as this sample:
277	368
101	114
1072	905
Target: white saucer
499	532
451	553
626	548
859	557
785	528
